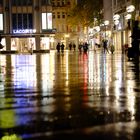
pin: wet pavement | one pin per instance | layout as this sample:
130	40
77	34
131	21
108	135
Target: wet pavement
69	96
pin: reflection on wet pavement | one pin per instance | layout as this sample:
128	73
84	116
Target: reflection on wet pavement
69	96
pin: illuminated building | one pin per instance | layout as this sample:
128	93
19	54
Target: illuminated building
124	13
26	24
64	32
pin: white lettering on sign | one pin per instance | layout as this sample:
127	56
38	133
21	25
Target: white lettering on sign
24	31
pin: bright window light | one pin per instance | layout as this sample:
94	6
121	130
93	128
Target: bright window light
44	21
49	20
1	22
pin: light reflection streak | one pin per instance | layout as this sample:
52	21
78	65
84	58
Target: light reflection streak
45	64
67	68
91	71
11	137
97	71
24	77
131	106
52	67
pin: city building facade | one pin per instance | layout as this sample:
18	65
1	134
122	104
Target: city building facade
125	12
64	32
26	25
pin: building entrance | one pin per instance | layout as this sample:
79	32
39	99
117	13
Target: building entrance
23	45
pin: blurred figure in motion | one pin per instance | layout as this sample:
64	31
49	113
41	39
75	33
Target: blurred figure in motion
70	46
80	47
74	46
62	47
105	45
58	47
85	47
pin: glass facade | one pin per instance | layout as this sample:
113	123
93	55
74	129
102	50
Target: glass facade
22	21
46	21
30	21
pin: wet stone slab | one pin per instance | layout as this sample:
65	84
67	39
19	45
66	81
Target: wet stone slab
69	96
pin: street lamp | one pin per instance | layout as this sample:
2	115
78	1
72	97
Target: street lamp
128	16
106	22
116	18
130	8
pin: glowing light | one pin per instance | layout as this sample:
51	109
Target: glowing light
67	35
116	22
1	21
97	28
128	16
49	20
106	22
130	8
24	31
44	21
116	17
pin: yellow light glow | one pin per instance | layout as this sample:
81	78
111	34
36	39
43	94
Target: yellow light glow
106	22
67	35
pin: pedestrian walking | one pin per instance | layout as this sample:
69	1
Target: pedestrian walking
58	47
111	46
74	46
80	47
70	46
85	47
62	47
105	45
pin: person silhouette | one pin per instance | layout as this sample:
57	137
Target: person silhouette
58	47
62	47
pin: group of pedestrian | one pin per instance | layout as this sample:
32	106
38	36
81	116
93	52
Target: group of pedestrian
83	47
107	45
60	47
72	46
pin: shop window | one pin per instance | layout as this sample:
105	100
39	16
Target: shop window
46	21
63	14
58	14
22	21
1	22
